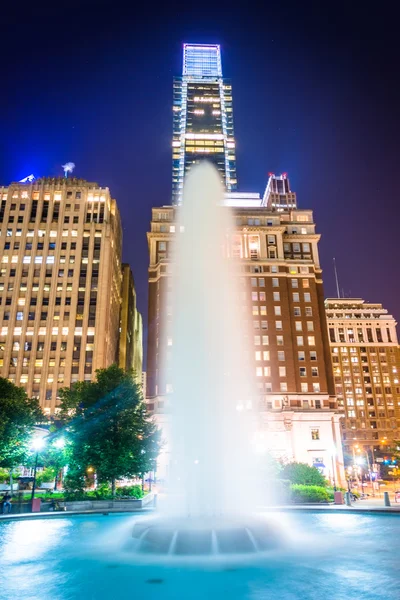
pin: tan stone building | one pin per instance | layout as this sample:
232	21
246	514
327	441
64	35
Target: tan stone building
366	367
60	284
283	306
131	329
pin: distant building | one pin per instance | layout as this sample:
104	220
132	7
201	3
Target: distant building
60	284
131	330
366	366
202	117
283	304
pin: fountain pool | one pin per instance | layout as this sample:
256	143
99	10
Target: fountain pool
332	555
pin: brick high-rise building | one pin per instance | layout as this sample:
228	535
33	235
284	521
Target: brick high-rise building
283	305
366	367
60	284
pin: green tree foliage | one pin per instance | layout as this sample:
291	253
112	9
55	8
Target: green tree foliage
108	428
308	493
18	415
302	474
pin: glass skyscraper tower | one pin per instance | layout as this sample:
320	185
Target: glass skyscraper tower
203	119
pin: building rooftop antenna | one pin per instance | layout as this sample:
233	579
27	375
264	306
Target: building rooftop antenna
336	278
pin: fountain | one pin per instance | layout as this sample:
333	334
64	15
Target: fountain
212	484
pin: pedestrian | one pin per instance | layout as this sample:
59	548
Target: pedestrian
6	503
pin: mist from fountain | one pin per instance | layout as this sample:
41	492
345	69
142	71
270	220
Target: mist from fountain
213	487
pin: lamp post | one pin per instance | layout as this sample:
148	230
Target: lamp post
59	444
370	470
37	444
333	454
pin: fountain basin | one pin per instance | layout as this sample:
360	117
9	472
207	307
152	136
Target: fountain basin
193	536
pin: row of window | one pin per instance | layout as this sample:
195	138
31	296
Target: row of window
4	331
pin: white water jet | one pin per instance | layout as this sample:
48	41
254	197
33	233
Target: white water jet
212	417
213	487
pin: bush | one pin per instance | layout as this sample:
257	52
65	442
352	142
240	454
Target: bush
132	491
45	476
4	475
301	494
303	474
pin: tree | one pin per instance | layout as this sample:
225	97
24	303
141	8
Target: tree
18	416
109	429
302	473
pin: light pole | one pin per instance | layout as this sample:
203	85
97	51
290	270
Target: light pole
370	470
59	444
37	444
333	454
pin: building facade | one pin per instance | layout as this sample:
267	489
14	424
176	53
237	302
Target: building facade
366	366
283	307
202	117
60	284
131	330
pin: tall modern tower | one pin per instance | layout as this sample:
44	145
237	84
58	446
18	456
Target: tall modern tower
203	118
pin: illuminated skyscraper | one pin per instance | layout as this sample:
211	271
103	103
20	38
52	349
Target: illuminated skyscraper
203	118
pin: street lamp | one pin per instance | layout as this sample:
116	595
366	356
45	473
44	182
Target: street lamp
37	445
333	454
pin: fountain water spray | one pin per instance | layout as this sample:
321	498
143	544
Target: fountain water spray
213	471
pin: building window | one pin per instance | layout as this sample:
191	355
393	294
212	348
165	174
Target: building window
306	283
297	311
295	283
307	297
316	387
275	282
304	387
311	340
281	355
308	311
310	326
277	297
301	355
315	434
265	340
298	325
283	386
314	371
279	340
257	340
282	371
303	372
300	340
278	325
277	311
313	355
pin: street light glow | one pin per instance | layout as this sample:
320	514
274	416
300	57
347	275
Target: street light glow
37	443
59	443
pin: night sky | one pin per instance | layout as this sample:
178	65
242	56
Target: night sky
315	94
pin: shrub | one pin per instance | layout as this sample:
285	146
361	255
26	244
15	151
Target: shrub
4	475
133	491
102	492
303	474
45	476
308	493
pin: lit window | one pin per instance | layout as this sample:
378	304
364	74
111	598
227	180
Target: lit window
301	355
265	340
283	386
316	387
308	311
314	371
266	355
275	282
299	325
279	340
277	296
315	434
259	371
313	354
307	297
278	325
304	387
258	355
282	371
295	283
38	260
300	340
257	340
310	326
311	340
50	260
277	311
20	316
267	371
306	283
297	311
303	372
281	355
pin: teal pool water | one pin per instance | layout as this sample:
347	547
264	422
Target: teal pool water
328	556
